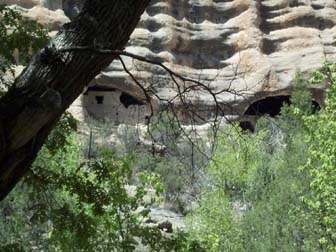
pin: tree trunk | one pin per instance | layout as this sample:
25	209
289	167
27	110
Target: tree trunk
53	80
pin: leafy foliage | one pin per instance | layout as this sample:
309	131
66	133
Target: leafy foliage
252	201
65	204
213	223
322	162
179	161
271	191
19	39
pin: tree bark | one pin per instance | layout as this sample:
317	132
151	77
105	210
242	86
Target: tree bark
54	79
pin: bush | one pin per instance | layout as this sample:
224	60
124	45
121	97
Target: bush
252	201
322	162
19	39
65	204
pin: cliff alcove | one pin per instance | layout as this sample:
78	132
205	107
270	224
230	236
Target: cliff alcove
247	126
196	64
128	100
272	106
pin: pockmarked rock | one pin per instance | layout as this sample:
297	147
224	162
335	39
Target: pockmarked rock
245	50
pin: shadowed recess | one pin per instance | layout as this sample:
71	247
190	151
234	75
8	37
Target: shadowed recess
128	100
246	126
272	106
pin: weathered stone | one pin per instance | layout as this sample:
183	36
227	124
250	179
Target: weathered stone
252	47
49	13
22	3
52	20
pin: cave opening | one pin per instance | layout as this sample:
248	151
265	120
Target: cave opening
100	99
128	100
269	106
246	126
272	106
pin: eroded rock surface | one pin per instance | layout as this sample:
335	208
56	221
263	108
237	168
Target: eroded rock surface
254	48
50	16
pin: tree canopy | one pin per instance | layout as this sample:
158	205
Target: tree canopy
55	78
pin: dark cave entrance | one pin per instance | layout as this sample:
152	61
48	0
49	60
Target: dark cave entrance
268	106
128	100
272	106
247	126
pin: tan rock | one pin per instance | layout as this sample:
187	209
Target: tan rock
22	3
253	47
52	20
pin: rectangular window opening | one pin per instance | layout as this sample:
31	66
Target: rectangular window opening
100	99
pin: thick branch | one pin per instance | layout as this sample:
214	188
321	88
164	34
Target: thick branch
53	80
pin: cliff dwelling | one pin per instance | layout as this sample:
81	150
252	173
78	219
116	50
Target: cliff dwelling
156	160
251	48
113	105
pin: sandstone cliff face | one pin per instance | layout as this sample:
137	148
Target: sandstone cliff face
50	15
252	47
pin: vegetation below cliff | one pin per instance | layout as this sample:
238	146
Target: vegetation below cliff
273	190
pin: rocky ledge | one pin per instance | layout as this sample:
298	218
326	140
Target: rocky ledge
249	49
